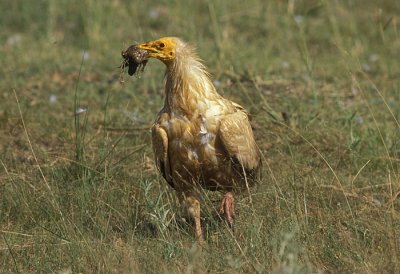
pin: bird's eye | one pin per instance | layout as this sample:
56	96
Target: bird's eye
162	45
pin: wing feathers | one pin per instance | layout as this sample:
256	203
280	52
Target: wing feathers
160	147
238	139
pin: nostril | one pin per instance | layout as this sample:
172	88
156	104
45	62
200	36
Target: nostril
162	45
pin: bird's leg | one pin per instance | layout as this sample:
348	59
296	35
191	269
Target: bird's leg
193	208
227	207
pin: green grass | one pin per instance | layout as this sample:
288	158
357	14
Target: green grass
81	193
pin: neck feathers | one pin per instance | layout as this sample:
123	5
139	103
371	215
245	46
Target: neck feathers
187	81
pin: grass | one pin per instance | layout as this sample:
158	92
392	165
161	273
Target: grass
80	192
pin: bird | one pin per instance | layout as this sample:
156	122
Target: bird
200	139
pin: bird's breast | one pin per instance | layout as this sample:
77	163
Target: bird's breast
192	144
194	148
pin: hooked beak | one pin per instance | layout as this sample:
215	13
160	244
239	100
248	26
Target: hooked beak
162	49
151	48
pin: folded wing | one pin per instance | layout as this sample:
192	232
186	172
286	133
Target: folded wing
238	140
160	147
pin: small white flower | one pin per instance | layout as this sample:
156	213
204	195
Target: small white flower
366	67
80	111
358	120
217	83
14	39
373	58
154	13
285	64
52	98
298	18
85	55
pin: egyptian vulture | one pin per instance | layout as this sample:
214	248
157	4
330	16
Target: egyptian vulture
201	140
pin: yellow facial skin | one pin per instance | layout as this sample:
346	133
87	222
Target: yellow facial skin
163	49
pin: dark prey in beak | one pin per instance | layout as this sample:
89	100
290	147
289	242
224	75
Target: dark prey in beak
134	57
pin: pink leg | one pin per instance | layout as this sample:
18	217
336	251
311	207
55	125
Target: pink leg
193	207
227	207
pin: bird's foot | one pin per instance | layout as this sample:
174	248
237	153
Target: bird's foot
227	208
193	207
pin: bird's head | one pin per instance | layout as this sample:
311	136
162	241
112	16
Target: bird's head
136	56
163	49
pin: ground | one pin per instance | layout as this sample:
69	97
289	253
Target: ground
79	189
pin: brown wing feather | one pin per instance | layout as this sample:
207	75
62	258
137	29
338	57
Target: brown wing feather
160	147
238	139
